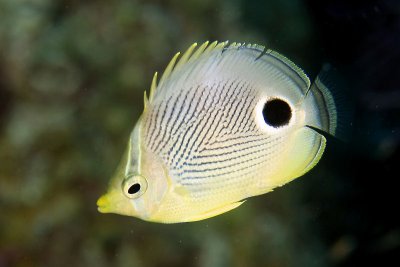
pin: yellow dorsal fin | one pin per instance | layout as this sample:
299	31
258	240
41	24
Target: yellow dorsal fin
235	45
211	47
194	52
169	68
221	45
199	51
290	64
185	57
175	64
256	46
153	86
146	100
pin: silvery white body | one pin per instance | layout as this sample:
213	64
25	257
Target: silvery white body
203	144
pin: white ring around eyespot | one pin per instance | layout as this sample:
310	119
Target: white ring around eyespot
259	118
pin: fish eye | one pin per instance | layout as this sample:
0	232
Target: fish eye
277	112
134	186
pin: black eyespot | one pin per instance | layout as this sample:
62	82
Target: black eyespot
277	112
133	189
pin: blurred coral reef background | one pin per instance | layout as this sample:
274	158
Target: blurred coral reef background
72	76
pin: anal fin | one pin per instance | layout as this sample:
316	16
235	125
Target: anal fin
215	212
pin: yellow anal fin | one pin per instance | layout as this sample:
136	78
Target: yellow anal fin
215	212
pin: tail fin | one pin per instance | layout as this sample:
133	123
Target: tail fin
326	106
333	107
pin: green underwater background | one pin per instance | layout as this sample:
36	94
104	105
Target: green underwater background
72	76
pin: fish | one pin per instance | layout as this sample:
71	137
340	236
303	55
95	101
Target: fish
225	122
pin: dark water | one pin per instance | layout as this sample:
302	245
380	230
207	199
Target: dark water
72	76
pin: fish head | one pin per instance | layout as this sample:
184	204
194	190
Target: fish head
139	183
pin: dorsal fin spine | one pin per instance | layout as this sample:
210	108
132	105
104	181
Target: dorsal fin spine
145	100
169	68
153	86
221	45
211	46
199	51
293	66
185	57
189	55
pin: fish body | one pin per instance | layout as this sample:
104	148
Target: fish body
224	123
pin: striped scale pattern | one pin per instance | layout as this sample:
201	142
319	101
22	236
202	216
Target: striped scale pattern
207	136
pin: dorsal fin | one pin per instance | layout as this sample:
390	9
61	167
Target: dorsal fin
153	86
175	64
168	70
194	52
185	57
145	100
290	64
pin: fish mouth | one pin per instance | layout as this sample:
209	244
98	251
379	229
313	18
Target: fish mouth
103	204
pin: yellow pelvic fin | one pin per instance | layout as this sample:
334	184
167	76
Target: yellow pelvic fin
216	211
